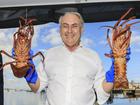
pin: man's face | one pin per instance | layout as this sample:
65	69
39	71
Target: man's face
71	30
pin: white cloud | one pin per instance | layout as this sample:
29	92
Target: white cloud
36	36
6	43
136	50
5	39
135	39
135	36
87	42
38	31
53	37
103	42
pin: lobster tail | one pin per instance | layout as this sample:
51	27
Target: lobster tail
19	72
121	80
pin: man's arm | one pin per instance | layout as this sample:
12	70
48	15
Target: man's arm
109	82
32	78
35	87
107	86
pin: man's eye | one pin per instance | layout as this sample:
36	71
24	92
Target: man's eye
76	26
64	26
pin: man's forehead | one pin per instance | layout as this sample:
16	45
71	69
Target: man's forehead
70	23
70	20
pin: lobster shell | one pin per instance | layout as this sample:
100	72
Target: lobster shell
20	72
21	49
121	34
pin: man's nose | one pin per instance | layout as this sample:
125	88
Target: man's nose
69	29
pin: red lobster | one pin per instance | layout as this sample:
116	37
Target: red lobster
22	46
121	34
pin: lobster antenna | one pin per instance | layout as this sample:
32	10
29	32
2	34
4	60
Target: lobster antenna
26	15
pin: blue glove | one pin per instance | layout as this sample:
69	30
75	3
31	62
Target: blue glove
128	54
13	52
30	77
110	74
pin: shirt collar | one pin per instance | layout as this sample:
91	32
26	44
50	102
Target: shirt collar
77	49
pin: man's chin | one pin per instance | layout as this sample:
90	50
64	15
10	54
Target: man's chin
71	45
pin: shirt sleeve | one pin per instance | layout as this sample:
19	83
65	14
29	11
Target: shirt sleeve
102	96
42	76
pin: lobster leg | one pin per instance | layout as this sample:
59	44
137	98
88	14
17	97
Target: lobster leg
2	51
38	53
122	32
126	42
7	64
131	18
123	17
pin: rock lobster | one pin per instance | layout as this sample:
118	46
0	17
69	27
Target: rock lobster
22	47
119	43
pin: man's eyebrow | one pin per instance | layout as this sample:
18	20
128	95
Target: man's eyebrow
64	23
71	24
75	24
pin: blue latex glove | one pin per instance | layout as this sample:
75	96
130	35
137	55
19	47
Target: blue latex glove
32	77
110	74
128	54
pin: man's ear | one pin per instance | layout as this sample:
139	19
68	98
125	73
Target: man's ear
59	29
82	30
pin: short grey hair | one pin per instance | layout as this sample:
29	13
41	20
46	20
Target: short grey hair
74	13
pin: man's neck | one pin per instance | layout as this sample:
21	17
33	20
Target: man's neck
72	48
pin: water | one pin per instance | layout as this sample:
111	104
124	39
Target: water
29	98
125	102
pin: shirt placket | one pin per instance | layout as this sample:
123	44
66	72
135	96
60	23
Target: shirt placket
69	80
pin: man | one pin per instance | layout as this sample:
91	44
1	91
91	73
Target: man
71	73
